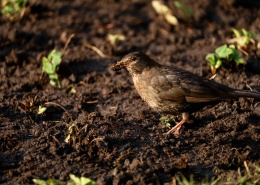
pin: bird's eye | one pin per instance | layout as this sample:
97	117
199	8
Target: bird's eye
134	58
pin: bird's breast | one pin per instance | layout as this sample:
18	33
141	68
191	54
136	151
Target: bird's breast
146	91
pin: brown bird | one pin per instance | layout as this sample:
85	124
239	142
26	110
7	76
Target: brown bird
174	91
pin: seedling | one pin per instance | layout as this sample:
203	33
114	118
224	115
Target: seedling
81	181
75	181
186	11
48	182
29	104
165	11
50	65
13	8
243	38
41	109
114	38
222	54
251	176
184	181
73	130
167	121
71	90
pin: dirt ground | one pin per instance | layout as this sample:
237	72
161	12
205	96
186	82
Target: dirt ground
117	138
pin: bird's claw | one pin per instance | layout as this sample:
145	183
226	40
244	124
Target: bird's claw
176	130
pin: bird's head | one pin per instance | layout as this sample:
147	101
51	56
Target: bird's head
134	62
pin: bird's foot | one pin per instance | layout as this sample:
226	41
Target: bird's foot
176	130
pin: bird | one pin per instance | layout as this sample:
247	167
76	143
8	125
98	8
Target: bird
170	90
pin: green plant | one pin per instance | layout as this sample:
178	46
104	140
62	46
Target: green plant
251	177
13	8
164	11
41	109
186	11
50	65
167	121
72	132
48	182
222	54
81	181
243	38
74	181
182	180
114	38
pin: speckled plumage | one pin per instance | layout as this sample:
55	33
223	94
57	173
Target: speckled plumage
172	90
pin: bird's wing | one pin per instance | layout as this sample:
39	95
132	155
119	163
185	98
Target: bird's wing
183	88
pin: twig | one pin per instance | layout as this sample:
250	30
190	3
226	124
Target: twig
55	139
243	51
67	42
83	128
58	105
211	78
249	87
94	48
92	102
246	166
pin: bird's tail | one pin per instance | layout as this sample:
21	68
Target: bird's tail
244	93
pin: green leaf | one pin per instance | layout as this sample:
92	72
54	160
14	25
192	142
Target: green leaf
53	82
55	58
187	12
12	8
47	66
41	109
212	58
54	76
75	179
114	38
223	51
243	37
236	32
81	181
242	180
50	65
40	182
218	64
163	118
248	34
237	56
47	182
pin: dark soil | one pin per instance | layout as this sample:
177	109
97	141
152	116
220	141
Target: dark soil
117	138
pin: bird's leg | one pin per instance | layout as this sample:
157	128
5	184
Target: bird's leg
176	129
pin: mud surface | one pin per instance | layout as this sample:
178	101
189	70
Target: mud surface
115	137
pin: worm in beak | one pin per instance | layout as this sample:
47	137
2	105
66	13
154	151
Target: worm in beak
120	64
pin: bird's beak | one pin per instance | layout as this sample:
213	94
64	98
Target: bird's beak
120	64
